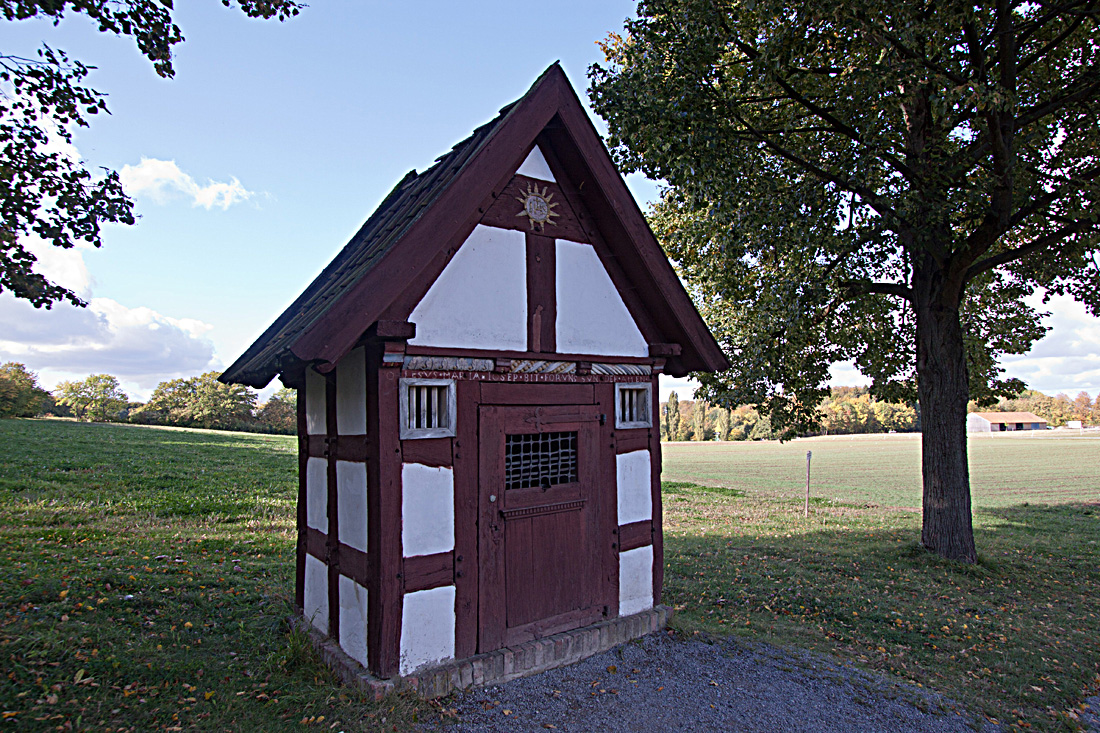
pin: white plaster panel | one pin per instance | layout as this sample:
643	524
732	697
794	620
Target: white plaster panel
427	628
634	488
317	494
353	619
315	403
479	301
351	503
351	393
592	317
635	580
315	597
427	509
535	166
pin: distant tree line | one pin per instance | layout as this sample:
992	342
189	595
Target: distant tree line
852	410
198	402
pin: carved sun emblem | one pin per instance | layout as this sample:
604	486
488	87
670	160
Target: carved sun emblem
537	206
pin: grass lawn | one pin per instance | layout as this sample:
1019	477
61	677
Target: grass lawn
1015	637
885	469
147	575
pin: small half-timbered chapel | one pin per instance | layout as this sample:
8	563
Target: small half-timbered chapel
479	455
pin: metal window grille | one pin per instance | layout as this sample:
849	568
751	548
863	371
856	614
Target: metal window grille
633	405
427	407
543	459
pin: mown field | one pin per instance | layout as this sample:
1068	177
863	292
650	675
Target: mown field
885	469
146	575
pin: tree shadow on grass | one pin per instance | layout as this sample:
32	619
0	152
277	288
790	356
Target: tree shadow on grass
1019	630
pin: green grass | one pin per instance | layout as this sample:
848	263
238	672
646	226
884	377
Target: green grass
1015	638
885	469
147	582
147	575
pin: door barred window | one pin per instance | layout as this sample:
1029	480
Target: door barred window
542	459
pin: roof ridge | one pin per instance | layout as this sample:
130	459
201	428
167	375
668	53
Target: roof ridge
411	196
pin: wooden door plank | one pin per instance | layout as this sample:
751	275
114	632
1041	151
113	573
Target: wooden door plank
491	608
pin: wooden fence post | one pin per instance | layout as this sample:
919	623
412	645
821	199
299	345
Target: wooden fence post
808	454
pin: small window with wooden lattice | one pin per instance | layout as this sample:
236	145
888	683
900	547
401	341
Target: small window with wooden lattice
427	408
540	460
632	406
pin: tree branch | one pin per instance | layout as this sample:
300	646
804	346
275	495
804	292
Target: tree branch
1017	253
864	287
1038	111
1052	44
845	184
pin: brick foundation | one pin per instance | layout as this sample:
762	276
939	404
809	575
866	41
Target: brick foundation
499	666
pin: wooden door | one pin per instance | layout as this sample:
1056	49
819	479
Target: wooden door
539	563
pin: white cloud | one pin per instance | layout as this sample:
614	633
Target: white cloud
137	345
62	266
162	180
684	387
1067	359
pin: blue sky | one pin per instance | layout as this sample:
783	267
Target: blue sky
274	142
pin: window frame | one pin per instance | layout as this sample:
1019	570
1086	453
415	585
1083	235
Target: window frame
620	423
449	410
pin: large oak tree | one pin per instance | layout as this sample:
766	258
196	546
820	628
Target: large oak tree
44	191
880	181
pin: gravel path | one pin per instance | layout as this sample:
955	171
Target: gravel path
660	683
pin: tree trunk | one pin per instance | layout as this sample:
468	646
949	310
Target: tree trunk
943	389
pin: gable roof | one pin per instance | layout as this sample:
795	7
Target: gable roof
1007	417
423	214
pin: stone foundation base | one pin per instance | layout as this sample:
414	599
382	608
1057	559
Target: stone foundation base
498	666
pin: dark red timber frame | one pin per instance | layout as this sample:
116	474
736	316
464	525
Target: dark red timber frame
384	594
332	543
468	395
542	296
303	458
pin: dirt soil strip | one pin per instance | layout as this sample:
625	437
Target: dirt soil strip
661	683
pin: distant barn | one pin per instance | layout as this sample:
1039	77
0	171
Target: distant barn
999	422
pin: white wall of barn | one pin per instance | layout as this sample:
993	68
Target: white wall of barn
317	494
315	403
535	166
315	597
479	301
633	475
427	628
635	580
353	619
351	393
351	503
427	509
592	317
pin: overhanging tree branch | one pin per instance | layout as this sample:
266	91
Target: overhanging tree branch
1048	241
